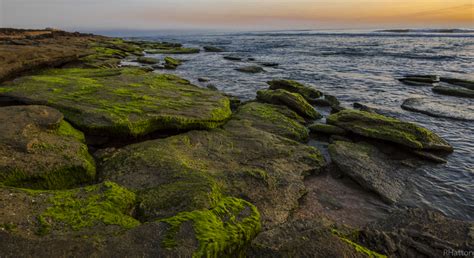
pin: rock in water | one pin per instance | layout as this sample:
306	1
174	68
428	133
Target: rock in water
274	119
458	110
389	129
213	49
123	102
454	91
39	150
172	63
468	84
147	60
294	101
293	86
371	169
233	58
250	69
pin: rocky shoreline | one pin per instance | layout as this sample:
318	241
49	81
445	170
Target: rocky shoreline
99	159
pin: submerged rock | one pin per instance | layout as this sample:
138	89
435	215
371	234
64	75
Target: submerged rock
147	60
123	102
418	233
250	69
454	91
389	129
274	119
269	64
326	129
203	79
212	49
238	160
420	80
233	58
370	168
441	108
468	84
293	86
39	150
292	100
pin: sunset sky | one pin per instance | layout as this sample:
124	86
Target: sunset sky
238	15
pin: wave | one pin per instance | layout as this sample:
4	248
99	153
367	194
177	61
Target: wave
428	31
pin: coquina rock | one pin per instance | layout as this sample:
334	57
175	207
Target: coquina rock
122	102
389	129
294	101
39	150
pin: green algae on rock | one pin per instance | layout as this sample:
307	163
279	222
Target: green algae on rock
123	102
389	129
98	210
267	169
293	86
172	63
224	230
39	150
274	119
147	60
293	101
326	129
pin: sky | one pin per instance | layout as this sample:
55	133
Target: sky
236	15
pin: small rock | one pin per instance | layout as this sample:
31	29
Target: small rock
250	69
308	92
212	87
441	108
147	60
269	64
468	84
213	49
203	79
454	91
233	58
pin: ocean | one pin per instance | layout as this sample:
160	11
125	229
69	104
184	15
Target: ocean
356	66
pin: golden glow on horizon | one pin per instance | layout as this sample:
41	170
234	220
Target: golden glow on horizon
348	11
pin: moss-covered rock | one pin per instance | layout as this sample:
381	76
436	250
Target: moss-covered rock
293	86
173	51
242	161
293	101
123	102
389	129
108	53
454	91
39	150
326	129
172	63
222	231
93	211
274	119
147	60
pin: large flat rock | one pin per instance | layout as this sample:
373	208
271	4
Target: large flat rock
459	110
371	169
122	102
38	149
388	129
199	166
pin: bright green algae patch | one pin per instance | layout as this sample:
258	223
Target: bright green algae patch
123	102
224	230
359	248
274	119
389	129
106	204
